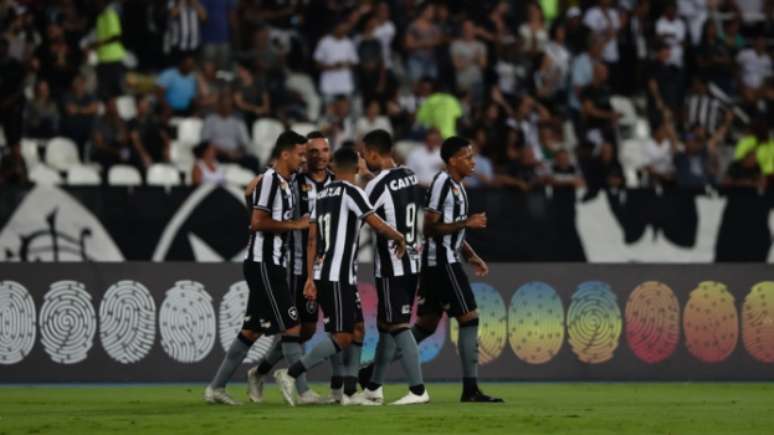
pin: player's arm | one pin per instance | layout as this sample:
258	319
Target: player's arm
262	221
434	227
479	265
310	291
385	229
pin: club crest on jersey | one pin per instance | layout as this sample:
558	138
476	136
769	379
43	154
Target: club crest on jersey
305	187
406	309
293	313
311	307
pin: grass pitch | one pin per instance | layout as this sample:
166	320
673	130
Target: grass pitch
530	408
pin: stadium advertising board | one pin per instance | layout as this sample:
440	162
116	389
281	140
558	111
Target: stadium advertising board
172	321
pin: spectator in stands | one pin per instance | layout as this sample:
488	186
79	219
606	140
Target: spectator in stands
697	165
526	173
209	88
41	115
760	143
338	125
372	120
216	30
112	143
110	50
582	74
484	175
206	168
20	33
12	75
251	96
744	172
58	62
559	57
149	133
659	154
426	160
532	32
577	32
369	46
527	118
335	56
440	110
702	108
177	87
732	38
80	111
469	58
564	174
603	172
605	22
599	118
228	133
184	27
422	37
713	58
664	88
671	30
384	31
755	65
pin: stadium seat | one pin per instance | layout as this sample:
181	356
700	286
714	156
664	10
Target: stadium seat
189	131
303	128
29	151
124	175
265	133
42	174
162	174
127	107
236	174
304	86
83	175
62	153
181	155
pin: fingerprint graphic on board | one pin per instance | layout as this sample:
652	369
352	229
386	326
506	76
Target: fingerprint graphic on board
187	322
536	323
127	319
758	322
710	322
67	322
17	322
652	322
492	328
231	315
594	322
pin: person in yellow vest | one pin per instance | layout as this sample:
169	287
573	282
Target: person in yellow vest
761	143
110	51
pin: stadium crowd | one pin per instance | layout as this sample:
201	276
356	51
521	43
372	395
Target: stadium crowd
602	93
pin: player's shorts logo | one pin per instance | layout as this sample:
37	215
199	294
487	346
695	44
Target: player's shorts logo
293	313
326	320
406	309
311	307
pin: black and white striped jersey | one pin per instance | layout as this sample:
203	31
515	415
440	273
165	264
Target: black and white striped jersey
449	199
273	195
394	194
305	188
339	212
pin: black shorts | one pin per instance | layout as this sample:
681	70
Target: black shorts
396	298
308	311
340	303
270	309
445	288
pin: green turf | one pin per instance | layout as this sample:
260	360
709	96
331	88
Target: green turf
531	408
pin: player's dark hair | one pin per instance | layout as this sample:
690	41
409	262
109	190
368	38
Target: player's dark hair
378	140
345	158
317	134
451	146
286	141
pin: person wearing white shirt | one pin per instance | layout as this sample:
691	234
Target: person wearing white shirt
335	54
426	160
671	29
604	20
659	153
385	32
755	64
373	120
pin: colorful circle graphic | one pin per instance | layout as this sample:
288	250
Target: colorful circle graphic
710	322
536	323
758	322
652	322
369	302
492	329
594	322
